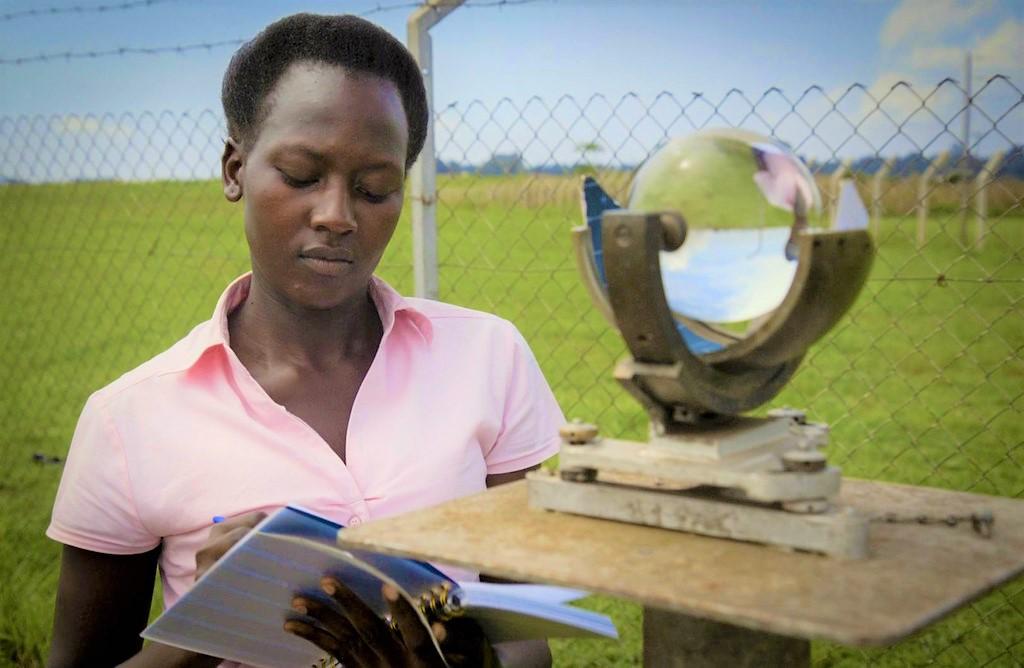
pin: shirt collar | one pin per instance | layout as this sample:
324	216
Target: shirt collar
391	307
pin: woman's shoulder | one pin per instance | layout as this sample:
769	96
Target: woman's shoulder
451	321
176	359
436	310
449	318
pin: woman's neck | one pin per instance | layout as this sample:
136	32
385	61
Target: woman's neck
268	331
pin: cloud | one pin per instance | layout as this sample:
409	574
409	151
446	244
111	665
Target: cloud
896	92
897	100
936	57
916	20
1000	51
900	113
1003	50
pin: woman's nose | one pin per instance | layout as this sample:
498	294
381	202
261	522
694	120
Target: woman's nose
333	211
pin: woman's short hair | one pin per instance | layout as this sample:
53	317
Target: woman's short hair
347	41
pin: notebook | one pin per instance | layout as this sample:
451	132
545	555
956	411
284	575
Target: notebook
237	609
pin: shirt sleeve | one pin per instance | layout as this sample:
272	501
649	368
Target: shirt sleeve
95	506
531	416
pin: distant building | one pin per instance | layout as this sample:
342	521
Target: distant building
503	163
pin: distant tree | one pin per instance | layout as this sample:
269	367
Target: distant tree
587	149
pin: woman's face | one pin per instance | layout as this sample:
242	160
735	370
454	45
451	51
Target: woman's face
322	184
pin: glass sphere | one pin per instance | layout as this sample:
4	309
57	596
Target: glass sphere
738	193
726	179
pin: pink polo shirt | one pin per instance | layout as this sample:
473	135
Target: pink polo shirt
452	396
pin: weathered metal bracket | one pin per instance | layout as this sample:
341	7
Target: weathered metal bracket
832	267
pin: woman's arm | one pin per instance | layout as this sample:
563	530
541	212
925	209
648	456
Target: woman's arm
103	603
501	478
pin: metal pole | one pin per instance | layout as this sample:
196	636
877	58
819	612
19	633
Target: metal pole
981	184
876	196
675	640
836	179
423	174
923	191
965	153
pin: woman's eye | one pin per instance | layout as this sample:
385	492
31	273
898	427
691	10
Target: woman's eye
296	182
372	197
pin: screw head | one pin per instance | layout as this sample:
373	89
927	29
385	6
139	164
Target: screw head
623	236
673	230
795	414
578	433
806	506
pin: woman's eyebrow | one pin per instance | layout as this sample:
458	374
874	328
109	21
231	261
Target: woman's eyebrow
312	154
383	166
303	150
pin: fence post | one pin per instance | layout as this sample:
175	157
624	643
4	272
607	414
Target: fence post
922	195
835	182
981	184
423	198
876	195
965	152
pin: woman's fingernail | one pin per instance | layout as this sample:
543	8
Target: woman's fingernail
390	593
291	627
329	587
299	606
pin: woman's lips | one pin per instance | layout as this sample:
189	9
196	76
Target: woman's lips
325	267
326	261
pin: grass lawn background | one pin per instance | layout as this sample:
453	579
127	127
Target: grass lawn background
921	382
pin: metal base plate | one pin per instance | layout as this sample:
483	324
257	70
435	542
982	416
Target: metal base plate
838	531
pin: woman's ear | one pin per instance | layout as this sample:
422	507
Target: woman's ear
232	165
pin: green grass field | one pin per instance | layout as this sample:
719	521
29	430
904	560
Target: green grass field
922	382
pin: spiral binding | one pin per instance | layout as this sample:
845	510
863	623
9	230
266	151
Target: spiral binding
440	604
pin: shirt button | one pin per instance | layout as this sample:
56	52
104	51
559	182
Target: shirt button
355	520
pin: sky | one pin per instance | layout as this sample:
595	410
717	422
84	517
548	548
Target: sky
625	52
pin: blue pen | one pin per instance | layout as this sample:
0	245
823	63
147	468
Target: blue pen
217	519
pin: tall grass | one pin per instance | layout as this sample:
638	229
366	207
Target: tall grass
899	195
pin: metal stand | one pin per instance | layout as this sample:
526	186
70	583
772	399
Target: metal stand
673	640
706	469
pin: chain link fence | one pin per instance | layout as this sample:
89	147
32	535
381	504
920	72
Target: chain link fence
116	241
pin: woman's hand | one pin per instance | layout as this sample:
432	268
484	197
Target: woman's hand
222	536
346	628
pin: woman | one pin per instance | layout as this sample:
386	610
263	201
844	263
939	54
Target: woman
313	383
